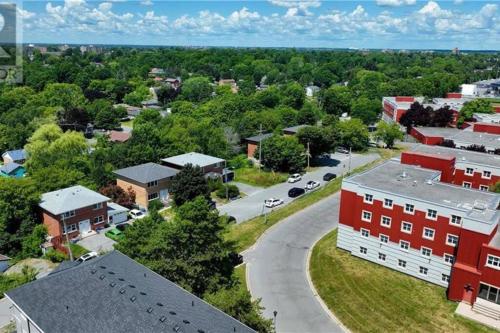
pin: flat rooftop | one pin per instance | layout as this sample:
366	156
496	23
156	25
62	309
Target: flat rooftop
421	184
193	158
461	155
467	137
403	105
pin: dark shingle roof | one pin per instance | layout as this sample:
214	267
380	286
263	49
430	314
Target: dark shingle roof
259	138
148	172
113	293
294	129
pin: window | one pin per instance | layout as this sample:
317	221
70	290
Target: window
483	188
486	174
493	261
70	228
365	233
385	221
98	219
381	256
428	233
449	259
98	205
366	216
445	278
402	263
363	250
368	198
426	252
409	208
466	184
489	293
153	183
451	240
423	270
469	171
406	227
384	238
457	220
404	245
152	196
431	214
388	203
71	213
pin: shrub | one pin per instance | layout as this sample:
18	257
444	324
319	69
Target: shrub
232	191
478	148
215	184
55	256
448	143
240	161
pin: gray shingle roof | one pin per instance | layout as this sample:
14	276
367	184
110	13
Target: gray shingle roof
147	172
113	293
71	198
259	138
16	155
193	158
9	167
294	129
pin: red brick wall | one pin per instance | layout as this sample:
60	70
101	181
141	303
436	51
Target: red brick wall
476	179
453	95
486	128
251	148
405	99
428	140
445	164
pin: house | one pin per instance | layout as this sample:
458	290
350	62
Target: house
173	82
207	163
405	218
119	136
312	91
18	156
4	263
75	210
132	111
13	170
113	294
117	214
293	130
149	181
253	143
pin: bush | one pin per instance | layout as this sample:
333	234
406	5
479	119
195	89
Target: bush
11	281
448	143
240	161
232	191
55	256
478	148
214	184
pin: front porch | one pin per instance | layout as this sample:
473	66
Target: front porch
483	311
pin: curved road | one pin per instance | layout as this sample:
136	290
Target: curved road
276	269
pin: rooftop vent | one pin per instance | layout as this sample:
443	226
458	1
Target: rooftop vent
121	279
142	293
163	318
112	284
404	174
103	267
159	304
414	183
131	286
102	277
133	298
429	182
93	271
172	313
177	328
112	273
149	310
201	331
185	321
122	291
480	206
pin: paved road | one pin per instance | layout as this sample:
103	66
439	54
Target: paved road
253	205
277	269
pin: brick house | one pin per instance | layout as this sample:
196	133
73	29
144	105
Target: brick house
149	181
80	209
253	143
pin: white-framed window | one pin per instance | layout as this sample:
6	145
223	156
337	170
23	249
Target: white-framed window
486	174
384	238
467	184
428	233
70	228
98	205
365	232
98	219
445	278
426	252
404	245
469	171
483	188
153	196
368	198
385	221
153	183
66	215
406	227
493	261
381	256
432	214
388	203
456	220
402	263
451	240
449	259
363	250
423	270
366	216
409	208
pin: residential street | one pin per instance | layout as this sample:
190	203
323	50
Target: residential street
253	204
276	269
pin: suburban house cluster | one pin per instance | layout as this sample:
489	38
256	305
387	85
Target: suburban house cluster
430	215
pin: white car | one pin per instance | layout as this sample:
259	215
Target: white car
136	214
87	256
273	202
294	178
311	185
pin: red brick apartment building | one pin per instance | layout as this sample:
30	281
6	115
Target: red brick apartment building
410	219
81	209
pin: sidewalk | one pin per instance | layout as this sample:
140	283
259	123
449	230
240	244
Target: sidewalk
465	310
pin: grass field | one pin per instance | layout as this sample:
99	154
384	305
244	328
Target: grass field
367	297
252	176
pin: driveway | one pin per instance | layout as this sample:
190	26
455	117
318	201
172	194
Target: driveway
98	242
253	204
5	315
277	269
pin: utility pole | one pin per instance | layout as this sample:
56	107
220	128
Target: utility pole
67	237
260	147
308	155
350	153
225	180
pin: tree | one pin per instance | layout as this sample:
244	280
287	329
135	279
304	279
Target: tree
309	114
188	184
283	154
166	94
31	245
366	109
293	95
196	89
495	188
318	139
479	105
441	117
352	133
119	195
416	115
109	118
336	100
388	133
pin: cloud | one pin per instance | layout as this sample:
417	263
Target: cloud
395	3
146	2
297	8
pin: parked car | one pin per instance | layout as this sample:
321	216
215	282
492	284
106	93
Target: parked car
136	214
343	150
114	234
329	176
294	178
87	257
311	185
295	192
273	202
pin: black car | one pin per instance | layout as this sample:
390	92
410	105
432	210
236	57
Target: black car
329	176
295	192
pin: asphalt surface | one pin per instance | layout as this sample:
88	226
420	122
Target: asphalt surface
253	204
5	313
276	269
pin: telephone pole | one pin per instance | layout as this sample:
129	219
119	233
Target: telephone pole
67	237
260	147
308	155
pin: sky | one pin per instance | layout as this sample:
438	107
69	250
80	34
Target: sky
391	24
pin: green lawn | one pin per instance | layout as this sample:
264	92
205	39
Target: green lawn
128	123
78	250
252	176
367	297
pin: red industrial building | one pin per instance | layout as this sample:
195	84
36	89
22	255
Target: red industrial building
411	218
